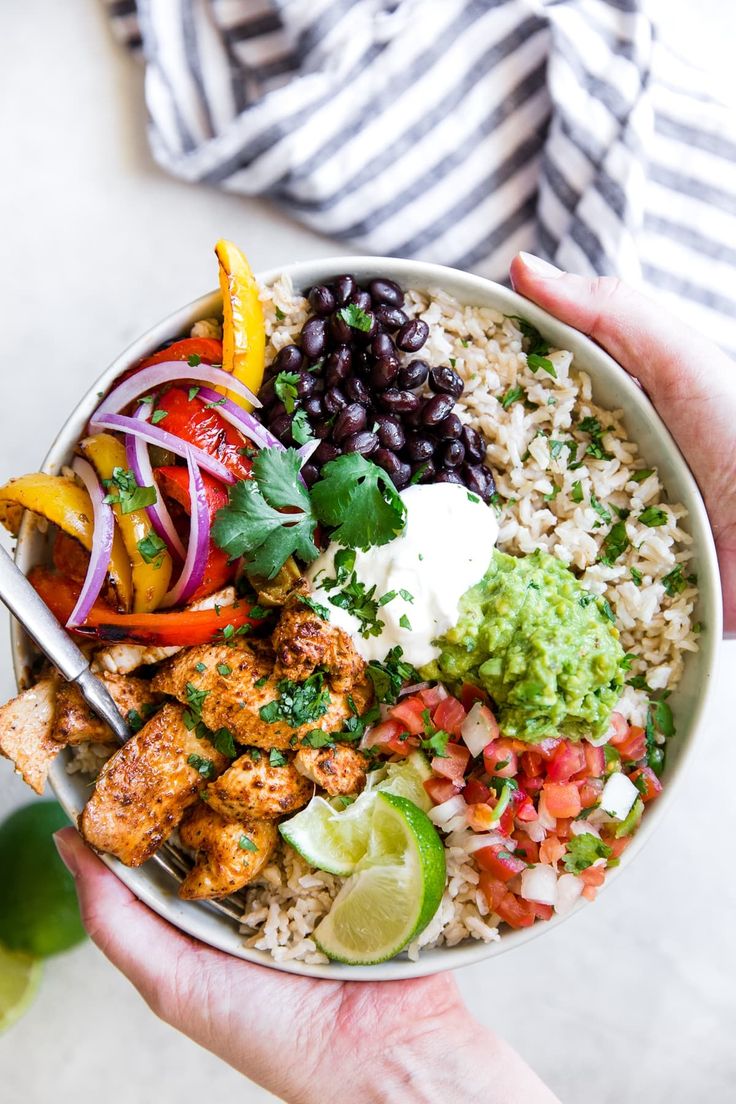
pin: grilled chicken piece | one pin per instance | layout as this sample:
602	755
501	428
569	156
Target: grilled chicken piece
232	700
25	732
75	722
229	854
338	770
146	787
252	789
302	641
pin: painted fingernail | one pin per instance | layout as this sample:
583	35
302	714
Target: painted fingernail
538	266
67	851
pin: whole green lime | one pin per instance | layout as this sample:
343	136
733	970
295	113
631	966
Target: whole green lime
38	905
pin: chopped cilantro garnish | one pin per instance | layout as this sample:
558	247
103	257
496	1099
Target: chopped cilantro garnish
205	767
388	677
583	851
405	622
193	360
674	581
261	682
555	448
200	667
637	576
318	739
553	493
592	426
224	741
576	494
193	392
245	843
418	475
472	497
355	317
285	387
359	499
512	395
298	703
276	759
599	508
315	607
615	543
653	516
607	612
123	490
134	719
641	475
535	361
406	595
224	670
387	597
301	430
151	548
158	416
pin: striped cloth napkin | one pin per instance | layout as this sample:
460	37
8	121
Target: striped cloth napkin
457	131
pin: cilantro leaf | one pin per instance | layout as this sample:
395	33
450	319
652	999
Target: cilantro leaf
583	851
359	500
276	759
151	547
320	610
576	494
599	508
298	703
637	576
245	843
318	739
535	361
301	430
615	543
642	474
388	677
224	742
123	491
653	516
356	317
674	581
512	395
285	387
205	767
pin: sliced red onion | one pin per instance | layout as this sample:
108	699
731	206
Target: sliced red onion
415	687
305	452
102	537
139	462
172	371
192	573
241	419
120	423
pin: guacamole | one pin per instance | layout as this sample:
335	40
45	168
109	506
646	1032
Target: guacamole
544	648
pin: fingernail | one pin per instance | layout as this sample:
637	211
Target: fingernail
66	850
538	266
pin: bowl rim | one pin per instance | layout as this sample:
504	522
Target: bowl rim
149	883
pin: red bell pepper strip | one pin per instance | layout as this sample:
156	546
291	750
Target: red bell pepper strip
173	482
208	349
178	629
201	424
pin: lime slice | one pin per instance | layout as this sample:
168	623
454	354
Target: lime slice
335	839
395	891
20	976
39	914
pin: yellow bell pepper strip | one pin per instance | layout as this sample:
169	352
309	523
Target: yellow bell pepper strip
64	503
150	561
243	326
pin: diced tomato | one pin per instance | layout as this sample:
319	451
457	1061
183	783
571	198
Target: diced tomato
409	712
433	696
470	694
562	831
632	746
618	726
499	760
526	849
499	862
595	760
201	424
453	763
653	787
618	846
523	806
440	789
590	791
506	823
480	817
476	791
391	735
208	349
551	850
567	760
530	785
513	910
562	799
543	912
594	875
531	763
546	748
449	716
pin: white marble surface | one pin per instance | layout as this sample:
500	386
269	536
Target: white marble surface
631	1001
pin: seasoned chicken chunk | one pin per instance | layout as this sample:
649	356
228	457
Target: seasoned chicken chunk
231	685
25	732
75	722
338	770
146	787
229	854
252	788
303	641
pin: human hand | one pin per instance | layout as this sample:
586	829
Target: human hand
307	1041
690	381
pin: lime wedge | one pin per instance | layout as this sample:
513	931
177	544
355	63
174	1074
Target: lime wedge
395	891
335	840
20	976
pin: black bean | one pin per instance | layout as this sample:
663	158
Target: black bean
305	385
362	361
446	476
449	429
384	372
288	359
338	365
479	480
319	386
340	332
386	459
314	337
446	381
412	335
324	452
382	345
364	442
390	431
419	448
474	444
267	393
436	409
423	472
343	287
362	299
413	374
313	406
351	419
366	335
402	476
412	419
390	318
386	291
281	428
399	402
334	401
323	428
310	473
322	300
276	410
452	454
357	391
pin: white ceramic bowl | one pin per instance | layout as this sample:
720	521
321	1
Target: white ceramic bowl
613	388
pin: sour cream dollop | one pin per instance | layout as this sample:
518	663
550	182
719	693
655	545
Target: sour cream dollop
445	548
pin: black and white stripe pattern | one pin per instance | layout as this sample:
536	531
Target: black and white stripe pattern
457	131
